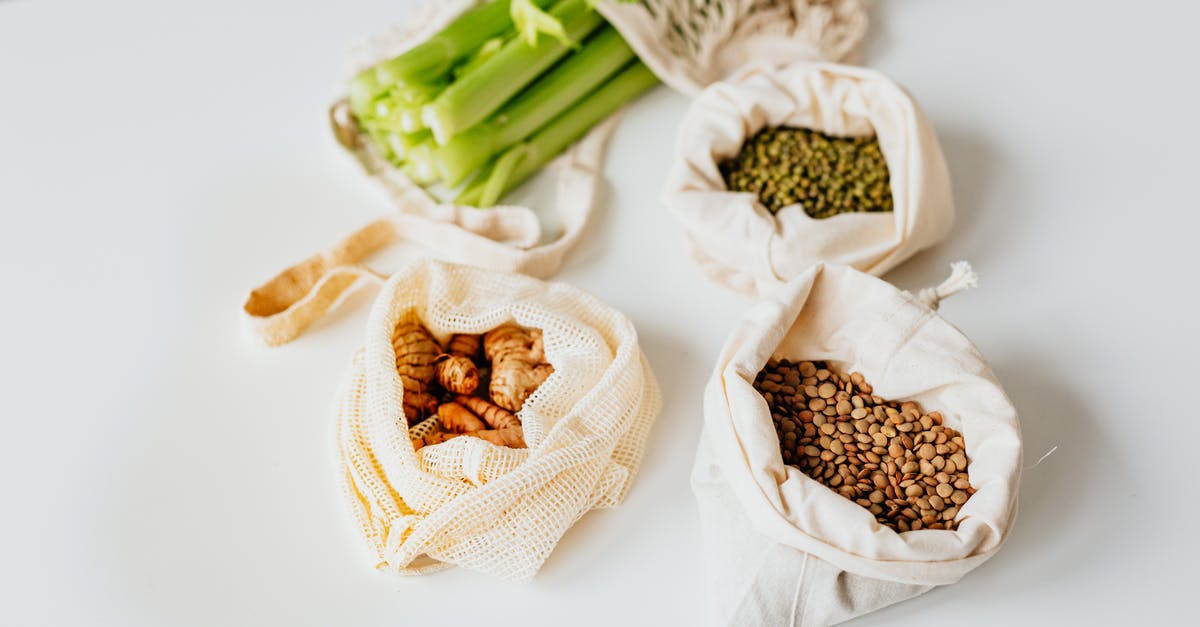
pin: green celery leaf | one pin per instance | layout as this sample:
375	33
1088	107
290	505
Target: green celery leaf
531	20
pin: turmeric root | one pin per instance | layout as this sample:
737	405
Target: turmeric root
458	419
416	351
541	372
463	345
516	354
512	437
495	417
431	438
457	374
418	406
537	350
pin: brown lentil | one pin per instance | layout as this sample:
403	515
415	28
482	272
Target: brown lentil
902	464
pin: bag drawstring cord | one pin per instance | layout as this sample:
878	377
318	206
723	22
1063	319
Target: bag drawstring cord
961	277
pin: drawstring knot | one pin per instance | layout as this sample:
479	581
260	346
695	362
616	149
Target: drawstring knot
961	277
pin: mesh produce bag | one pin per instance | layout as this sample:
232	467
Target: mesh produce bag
738	243
690	44
782	548
468	502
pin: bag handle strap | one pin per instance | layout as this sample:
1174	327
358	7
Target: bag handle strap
503	238
279	310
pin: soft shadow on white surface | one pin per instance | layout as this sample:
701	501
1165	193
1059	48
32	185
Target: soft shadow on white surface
233	445
973	162
1054	538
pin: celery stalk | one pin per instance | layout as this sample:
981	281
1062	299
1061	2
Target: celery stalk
485	52
402	144
523	160
433	58
479	93
419	165
364	89
602	55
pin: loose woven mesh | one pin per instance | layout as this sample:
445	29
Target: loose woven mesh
692	43
467	502
782	548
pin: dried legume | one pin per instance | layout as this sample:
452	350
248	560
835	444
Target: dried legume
826	174
894	459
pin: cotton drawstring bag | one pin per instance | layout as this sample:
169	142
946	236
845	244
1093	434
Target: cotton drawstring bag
736	242
688	44
783	549
467	502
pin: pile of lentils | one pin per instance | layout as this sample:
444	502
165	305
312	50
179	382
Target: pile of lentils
828	175
896	460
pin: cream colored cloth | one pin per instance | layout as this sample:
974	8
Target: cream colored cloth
783	549
738	243
678	40
690	44
467	502
502	238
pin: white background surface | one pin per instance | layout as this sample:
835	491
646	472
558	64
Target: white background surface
156	161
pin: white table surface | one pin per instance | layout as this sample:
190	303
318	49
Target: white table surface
156	161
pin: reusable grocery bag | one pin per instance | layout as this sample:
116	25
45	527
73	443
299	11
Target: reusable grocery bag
738	243
687	43
783	549
468	502
690	44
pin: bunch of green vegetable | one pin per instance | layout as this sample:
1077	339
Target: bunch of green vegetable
497	94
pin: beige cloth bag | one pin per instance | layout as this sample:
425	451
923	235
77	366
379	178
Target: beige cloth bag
782	549
738	243
687	43
467	502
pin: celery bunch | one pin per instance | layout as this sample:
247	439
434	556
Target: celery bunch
497	94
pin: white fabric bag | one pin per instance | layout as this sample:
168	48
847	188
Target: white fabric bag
783	549
468	502
738	243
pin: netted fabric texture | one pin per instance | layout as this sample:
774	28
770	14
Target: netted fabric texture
782	548
467	502
738	243
692	43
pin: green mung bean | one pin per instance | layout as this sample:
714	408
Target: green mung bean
827	175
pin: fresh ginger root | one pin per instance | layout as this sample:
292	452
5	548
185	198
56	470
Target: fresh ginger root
512	437
495	417
458	419
464	345
416	352
517	364
458	375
